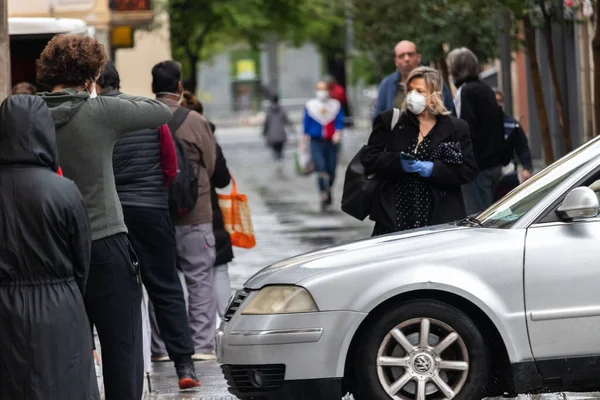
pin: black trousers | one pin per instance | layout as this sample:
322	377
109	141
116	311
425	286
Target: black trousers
153	237
113	300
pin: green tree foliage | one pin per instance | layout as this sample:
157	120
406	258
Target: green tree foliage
201	28
434	25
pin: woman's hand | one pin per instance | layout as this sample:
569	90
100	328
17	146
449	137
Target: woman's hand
423	168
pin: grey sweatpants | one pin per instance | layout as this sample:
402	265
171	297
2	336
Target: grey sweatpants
479	194
196	258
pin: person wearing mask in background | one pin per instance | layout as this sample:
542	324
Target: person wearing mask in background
516	144
194	230
323	125
392	90
87	129
24	88
422	161
476	104
274	131
145	164
45	342
220	179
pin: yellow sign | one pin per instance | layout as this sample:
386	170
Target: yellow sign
121	37
246	69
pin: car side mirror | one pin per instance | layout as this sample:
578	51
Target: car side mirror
581	202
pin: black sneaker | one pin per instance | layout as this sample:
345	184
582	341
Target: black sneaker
187	376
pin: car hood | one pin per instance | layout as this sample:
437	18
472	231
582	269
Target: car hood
298	268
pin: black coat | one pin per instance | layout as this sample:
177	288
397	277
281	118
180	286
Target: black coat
45	341
220	179
382	157
479	108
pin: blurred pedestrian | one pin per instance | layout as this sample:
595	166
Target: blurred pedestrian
224	251
274	131
193	230
392	89
145	164
24	88
87	128
323	125
422	162
517	151
45	341
476	104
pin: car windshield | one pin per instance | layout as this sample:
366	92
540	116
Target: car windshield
517	203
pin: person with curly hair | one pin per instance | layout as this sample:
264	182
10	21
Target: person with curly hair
87	128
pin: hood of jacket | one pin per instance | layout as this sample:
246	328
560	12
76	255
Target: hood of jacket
64	104
27	134
274	108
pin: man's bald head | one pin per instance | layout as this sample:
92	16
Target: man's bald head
406	57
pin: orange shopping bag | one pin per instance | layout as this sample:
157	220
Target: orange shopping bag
236	215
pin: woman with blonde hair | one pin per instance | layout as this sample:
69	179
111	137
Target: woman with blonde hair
421	161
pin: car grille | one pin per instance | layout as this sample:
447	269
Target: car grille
242	378
235	303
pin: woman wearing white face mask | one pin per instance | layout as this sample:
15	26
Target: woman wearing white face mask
421	162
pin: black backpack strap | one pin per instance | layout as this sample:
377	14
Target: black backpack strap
179	116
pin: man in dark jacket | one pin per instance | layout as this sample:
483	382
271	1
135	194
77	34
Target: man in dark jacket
475	102
45	340
517	148
392	89
145	163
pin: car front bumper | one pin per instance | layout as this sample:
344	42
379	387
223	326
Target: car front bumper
274	353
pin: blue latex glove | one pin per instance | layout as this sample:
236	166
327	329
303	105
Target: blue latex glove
425	169
410	165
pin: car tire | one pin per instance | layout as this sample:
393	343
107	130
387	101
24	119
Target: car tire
374	381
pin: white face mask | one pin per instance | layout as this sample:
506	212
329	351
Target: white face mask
416	102
94	94
322	95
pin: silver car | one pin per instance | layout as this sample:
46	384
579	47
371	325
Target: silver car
504	303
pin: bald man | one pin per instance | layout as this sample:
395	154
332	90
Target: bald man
393	89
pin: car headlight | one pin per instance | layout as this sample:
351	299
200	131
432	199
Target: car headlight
281	300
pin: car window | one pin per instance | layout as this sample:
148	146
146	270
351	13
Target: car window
505	213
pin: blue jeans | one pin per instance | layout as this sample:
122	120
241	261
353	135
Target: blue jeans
324	156
479	194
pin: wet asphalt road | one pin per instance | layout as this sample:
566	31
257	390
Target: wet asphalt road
287	221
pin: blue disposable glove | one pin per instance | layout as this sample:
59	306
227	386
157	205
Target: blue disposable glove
410	165
425	169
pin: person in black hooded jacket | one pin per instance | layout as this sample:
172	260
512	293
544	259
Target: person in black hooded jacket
45	340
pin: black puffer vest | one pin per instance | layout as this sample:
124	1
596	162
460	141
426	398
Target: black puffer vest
138	172
137	169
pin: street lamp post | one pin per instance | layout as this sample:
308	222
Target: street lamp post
5	82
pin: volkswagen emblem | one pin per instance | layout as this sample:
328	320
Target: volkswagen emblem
422	364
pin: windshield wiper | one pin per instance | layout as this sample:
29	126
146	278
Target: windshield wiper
472	221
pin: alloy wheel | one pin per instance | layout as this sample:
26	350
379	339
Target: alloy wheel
422	359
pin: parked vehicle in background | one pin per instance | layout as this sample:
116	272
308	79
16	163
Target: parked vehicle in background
502	303
29	36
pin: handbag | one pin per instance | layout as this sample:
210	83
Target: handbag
237	218
360	189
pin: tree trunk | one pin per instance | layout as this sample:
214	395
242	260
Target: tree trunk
192	83
596	57
560	107
536	79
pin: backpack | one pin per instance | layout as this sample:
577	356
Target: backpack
183	191
359	189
